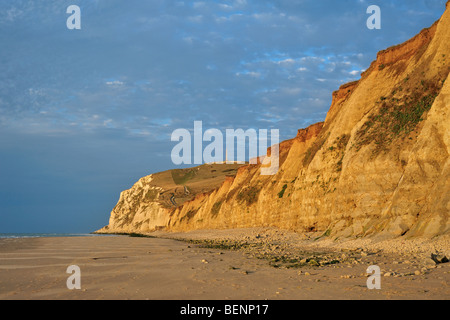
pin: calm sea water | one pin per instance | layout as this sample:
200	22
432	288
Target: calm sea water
44	235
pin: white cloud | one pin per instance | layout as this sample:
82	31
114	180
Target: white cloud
196	19
249	73
286	61
240	3
115	83
12	14
292	91
199	4
225	6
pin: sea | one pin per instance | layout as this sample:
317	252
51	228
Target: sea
46	235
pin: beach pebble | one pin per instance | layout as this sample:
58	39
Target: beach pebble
437	258
313	262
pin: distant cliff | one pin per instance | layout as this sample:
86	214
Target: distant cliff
379	164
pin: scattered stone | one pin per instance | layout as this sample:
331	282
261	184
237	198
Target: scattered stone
388	274
204	261
313	262
307	274
438	258
417	273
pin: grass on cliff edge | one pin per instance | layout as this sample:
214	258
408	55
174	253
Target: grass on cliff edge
398	114
185	184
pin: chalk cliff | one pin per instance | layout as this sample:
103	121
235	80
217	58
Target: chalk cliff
378	165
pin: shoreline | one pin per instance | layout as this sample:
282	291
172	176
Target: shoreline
292	250
240	264
287	241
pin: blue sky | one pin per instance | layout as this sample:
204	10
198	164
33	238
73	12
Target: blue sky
85	113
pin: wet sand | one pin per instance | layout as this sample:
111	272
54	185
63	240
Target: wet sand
122	267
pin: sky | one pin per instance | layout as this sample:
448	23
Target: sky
85	113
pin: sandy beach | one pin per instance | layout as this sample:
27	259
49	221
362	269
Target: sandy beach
163	268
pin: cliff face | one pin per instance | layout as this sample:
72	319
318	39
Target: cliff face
146	206
379	164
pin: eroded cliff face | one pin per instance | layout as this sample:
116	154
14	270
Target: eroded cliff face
378	165
138	209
